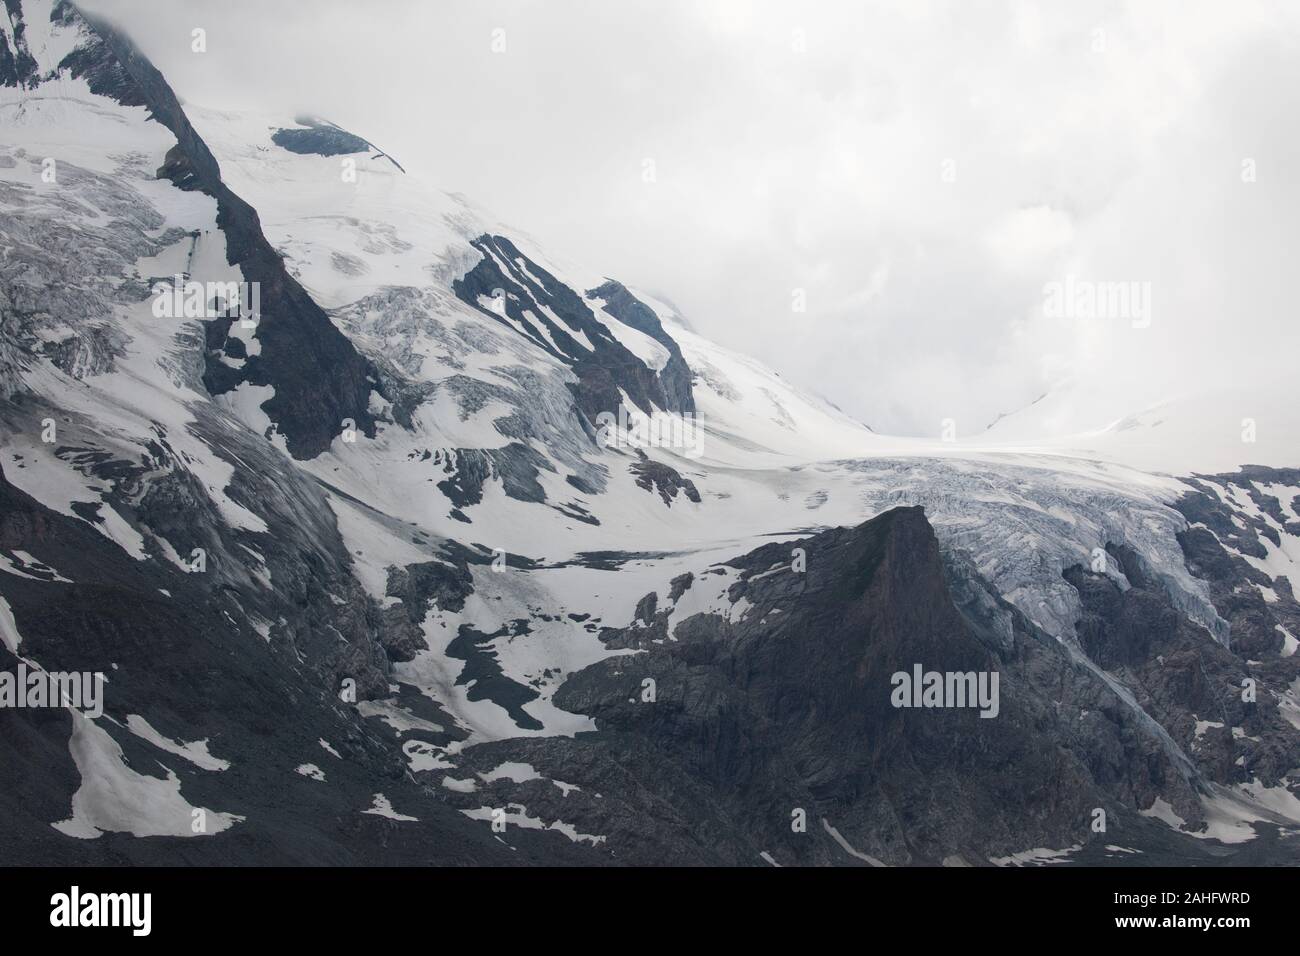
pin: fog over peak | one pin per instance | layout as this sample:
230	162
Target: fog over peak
913	175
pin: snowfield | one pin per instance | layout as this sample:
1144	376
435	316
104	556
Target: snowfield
483	476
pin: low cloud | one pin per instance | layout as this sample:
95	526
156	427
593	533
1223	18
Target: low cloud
921	171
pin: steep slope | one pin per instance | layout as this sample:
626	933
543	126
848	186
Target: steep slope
407	542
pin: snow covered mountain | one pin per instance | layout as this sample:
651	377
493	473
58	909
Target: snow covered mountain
439	550
1211	429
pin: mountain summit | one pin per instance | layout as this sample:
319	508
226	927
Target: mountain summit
396	541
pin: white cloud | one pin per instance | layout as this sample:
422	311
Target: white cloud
1026	239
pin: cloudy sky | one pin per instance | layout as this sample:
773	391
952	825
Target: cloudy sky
915	175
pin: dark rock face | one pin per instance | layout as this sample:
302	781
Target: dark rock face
1252	621
655	476
1218	542
319	137
319	378
320	140
1186	680
631	311
787	710
515	464
177	659
679	586
525	293
431	584
17	66
419	587
482	671
1204	507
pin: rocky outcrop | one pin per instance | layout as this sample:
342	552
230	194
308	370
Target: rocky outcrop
165	642
1233	524
632	312
655	476
1187	681
783	710
515	465
319	139
319	379
17	66
514	290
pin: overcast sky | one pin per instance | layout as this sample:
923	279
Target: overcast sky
921	171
